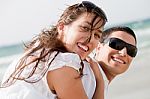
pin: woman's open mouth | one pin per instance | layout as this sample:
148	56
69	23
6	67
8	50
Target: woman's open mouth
83	47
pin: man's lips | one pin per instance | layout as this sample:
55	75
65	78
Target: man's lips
83	47
118	60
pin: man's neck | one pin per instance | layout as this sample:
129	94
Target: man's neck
109	76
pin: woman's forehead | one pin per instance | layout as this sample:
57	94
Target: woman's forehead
91	19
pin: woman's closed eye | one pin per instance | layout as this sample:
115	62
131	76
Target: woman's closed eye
97	36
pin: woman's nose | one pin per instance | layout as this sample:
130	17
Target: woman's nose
88	38
91	38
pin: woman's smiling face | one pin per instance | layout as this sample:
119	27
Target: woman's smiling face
82	35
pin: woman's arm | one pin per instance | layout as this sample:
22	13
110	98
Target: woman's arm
66	83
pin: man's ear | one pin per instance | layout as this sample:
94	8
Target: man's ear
99	46
97	52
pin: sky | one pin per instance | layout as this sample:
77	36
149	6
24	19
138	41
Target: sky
20	20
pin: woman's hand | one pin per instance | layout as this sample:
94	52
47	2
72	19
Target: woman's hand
99	92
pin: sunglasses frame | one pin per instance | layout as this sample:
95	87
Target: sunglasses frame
118	44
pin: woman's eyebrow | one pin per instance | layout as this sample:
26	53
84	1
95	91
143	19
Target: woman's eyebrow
100	31
87	22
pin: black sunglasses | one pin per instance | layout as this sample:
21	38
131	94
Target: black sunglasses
91	6
119	44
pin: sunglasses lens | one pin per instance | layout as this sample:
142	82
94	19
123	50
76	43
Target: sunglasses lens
88	5
91	6
119	44
132	51
113	43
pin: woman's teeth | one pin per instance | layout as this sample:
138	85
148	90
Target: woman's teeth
83	47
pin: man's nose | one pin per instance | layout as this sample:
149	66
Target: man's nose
123	52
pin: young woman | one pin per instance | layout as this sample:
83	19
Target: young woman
52	65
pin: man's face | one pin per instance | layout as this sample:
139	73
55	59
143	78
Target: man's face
115	61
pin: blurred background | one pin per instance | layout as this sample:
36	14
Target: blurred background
20	20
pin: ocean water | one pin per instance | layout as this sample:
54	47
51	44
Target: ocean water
140	64
7	54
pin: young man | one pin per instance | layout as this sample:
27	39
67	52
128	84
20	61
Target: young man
115	52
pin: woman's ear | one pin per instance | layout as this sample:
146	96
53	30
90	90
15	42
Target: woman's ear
60	27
